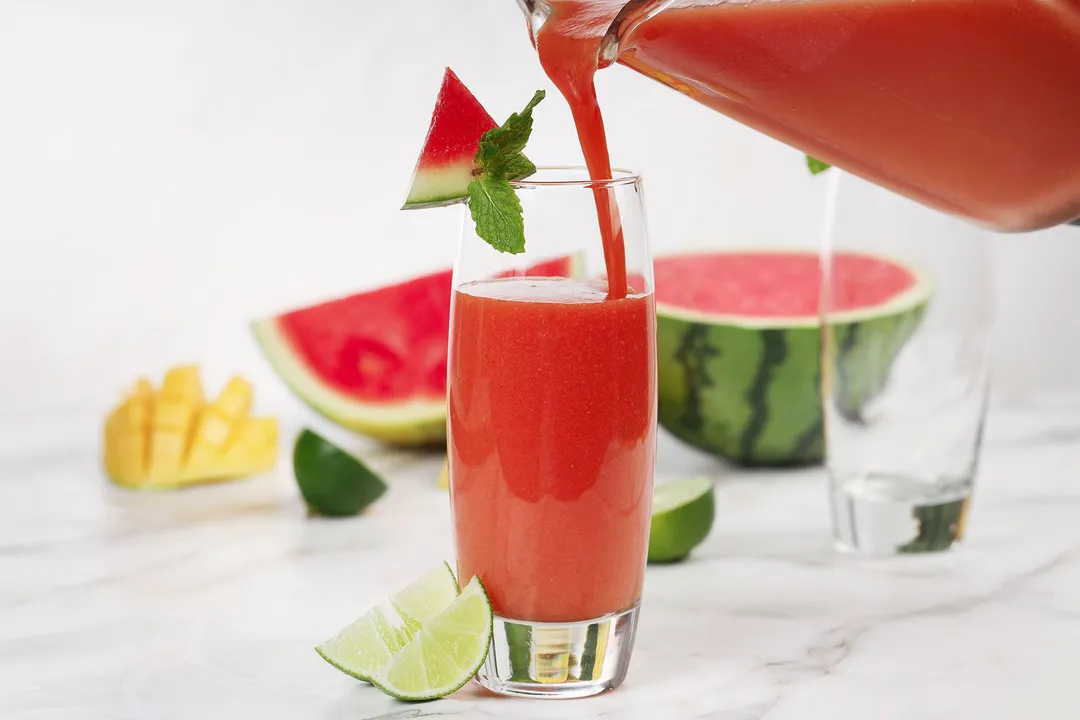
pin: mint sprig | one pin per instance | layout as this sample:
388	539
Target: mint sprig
816	166
493	204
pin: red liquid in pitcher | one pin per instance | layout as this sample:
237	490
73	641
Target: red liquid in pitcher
970	107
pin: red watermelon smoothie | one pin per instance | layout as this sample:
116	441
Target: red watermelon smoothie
552	423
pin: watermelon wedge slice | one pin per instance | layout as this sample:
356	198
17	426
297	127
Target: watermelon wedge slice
375	361
739	346
445	166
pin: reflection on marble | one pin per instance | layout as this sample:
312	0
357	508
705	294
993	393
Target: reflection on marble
206	604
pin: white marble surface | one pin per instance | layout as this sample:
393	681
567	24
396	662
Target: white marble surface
206	604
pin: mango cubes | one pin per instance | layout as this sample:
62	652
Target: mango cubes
443	481
172	437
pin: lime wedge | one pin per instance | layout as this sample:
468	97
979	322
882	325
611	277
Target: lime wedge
367	644
332	481
445	654
682	516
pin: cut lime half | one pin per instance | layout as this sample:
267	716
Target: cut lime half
446	653
682	516
367	644
333	482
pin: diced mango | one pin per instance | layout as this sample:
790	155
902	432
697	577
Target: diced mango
126	434
217	422
180	399
254	447
181	396
173	438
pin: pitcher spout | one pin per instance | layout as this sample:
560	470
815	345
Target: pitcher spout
625	17
536	14
622	27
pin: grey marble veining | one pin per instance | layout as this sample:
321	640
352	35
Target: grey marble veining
206	603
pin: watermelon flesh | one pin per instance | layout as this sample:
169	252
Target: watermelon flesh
383	345
760	285
375	361
445	166
739	347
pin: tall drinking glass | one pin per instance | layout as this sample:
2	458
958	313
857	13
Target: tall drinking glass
552	432
906	310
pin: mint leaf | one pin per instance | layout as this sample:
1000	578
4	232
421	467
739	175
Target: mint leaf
816	166
509	139
517	166
496	210
486	152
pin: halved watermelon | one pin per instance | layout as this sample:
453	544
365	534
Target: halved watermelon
445	167
375	361
739	346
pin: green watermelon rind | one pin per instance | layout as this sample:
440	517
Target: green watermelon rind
412	422
442	187
439	187
749	389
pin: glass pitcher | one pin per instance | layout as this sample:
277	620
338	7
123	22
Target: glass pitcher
972	108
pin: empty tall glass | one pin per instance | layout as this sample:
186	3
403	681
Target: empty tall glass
906	313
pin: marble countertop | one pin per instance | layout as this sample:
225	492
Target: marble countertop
207	603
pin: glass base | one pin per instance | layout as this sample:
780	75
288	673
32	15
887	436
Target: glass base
884	514
559	660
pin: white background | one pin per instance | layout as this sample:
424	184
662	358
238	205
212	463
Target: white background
171	169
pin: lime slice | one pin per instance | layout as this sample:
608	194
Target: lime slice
367	644
445	654
682	516
332	481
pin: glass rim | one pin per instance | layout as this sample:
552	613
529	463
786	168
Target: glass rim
622	176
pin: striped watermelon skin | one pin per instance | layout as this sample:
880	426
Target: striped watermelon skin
752	394
749	396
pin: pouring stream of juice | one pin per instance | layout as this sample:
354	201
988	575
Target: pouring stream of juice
972	108
571	62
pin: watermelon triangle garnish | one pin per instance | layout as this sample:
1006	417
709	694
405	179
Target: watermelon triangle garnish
445	167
